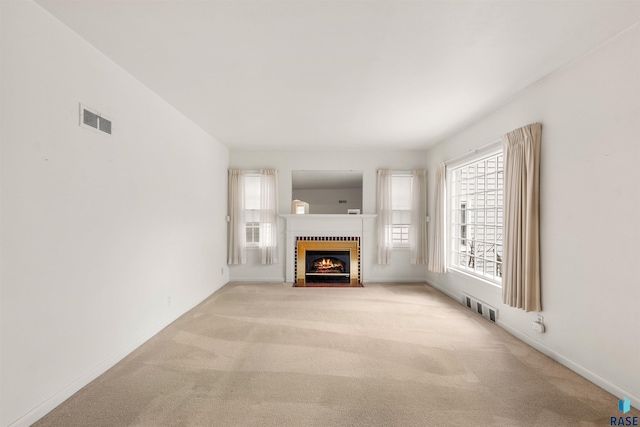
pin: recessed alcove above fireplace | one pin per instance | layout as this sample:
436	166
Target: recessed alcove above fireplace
328	191
327	259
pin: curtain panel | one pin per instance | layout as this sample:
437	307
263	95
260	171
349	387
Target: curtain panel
521	265
268	216
384	224
437	232
237	243
418	230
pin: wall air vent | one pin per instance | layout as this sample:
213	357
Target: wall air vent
480	307
91	119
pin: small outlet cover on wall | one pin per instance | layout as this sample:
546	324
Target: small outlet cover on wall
538	327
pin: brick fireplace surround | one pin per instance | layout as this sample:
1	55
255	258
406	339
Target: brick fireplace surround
354	231
351	244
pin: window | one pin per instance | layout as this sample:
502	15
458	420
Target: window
401	208
252	208
475	216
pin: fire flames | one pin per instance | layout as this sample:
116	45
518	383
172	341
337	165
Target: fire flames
328	265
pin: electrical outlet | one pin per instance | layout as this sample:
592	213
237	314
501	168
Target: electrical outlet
222	271
538	327
538	324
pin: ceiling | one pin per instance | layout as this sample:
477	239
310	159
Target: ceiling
393	74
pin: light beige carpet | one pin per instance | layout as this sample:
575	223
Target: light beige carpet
268	354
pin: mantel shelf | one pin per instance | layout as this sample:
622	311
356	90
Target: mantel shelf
336	216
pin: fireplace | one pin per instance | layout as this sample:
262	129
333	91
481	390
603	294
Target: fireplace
326	259
327	266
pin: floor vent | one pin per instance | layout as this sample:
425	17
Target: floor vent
480	307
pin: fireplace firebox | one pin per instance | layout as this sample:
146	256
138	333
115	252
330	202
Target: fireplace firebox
327	261
327	266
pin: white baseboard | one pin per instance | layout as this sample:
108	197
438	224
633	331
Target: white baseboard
445	291
257	279
393	280
563	360
59	397
575	367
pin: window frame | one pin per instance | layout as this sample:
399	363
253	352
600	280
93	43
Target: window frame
252	226
470	212
401	228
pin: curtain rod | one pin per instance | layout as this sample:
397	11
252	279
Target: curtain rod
475	151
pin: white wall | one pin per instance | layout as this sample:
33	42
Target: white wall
367	161
98	232
590	199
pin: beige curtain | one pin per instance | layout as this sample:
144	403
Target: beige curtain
437	232
418	230
237	250
268	216
521	265
384	222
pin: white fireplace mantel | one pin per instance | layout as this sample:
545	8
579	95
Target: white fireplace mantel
328	225
306	216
